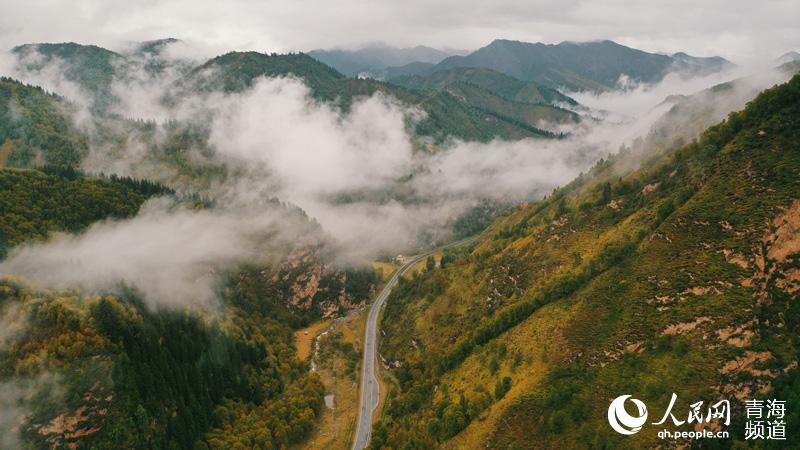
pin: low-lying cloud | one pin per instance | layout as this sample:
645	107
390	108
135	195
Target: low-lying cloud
360	174
308	147
172	255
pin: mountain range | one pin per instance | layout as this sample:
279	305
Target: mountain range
482	113
373	61
506	90
569	65
579	66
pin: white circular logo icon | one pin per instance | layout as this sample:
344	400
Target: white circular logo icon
621	421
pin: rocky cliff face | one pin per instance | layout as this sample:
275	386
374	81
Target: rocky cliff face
315	284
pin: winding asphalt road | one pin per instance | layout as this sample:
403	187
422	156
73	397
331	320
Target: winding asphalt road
370	395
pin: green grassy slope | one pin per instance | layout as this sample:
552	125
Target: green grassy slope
677	276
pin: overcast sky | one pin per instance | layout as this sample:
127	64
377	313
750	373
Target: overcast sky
741	30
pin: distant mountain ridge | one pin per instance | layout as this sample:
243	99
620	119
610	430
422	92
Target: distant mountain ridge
90	66
374	60
410	69
155	46
789	57
580	66
94	68
683	62
501	84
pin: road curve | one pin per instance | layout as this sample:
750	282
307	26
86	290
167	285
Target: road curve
369	396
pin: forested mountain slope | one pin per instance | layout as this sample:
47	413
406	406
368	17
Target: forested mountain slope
36	127
236	71
677	273
36	203
83	370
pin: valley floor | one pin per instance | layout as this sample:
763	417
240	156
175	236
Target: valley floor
337	366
